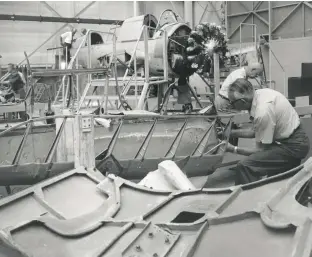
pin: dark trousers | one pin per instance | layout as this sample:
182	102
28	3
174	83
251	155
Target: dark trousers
277	158
66	51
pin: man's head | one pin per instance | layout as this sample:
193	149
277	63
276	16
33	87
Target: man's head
11	67
74	31
83	31
254	69
241	93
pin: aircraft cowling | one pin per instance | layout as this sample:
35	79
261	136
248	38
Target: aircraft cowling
176	53
178	34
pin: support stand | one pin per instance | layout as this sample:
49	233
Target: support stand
65	147
84	141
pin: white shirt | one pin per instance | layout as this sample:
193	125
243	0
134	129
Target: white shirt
234	75
273	116
67	37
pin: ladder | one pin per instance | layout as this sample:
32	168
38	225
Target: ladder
41	90
102	100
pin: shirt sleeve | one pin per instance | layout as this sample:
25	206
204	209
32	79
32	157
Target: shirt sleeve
264	125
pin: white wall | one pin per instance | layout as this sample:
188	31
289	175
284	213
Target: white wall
290	53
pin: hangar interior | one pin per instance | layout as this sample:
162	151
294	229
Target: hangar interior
155	128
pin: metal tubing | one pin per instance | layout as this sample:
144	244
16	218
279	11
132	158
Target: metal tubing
133	53
216	75
109	150
141	102
254	26
165	54
176	142
89	54
287	17
14	17
106	95
158	82
262	10
270	40
199	150
56	73
142	150
56	140
20	149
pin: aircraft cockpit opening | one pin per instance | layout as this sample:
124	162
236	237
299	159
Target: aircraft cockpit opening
96	39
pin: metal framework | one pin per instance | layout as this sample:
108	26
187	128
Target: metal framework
272	29
206	156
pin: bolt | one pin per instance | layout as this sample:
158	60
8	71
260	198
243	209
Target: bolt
155	255
150	235
167	241
138	248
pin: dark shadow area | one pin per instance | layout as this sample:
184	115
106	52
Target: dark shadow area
304	195
96	39
187	217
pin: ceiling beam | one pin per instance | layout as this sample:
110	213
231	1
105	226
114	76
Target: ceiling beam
254	13
57	31
308	5
51	9
13	17
287	17
261	18
262	10
203	14
237	28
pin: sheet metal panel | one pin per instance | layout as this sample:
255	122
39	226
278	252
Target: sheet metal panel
82	213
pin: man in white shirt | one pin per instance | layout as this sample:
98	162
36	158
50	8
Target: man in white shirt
251	71
66	40
281	142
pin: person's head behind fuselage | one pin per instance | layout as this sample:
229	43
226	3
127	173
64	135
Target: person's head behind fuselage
241	93
253	70
83	31
11	67
74	31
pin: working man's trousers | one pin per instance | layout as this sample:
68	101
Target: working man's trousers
184	94
66	52
279	157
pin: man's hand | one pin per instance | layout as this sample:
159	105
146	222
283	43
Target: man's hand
230	148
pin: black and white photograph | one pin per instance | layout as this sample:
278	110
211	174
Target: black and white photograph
155	128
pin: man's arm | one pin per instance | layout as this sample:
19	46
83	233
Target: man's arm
243	133
246	151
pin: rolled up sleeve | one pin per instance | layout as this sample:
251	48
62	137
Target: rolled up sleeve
264	125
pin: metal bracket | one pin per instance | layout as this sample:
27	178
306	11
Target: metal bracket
152	241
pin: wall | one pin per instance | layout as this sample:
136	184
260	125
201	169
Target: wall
17	37
290	53
290	19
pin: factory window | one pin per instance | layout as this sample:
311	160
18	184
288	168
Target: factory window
96	39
